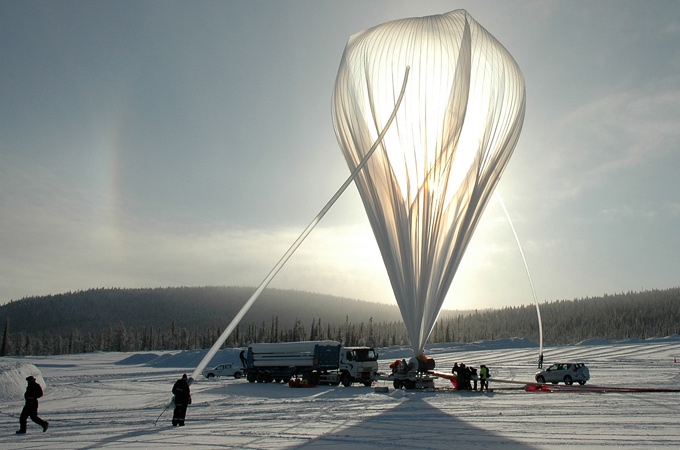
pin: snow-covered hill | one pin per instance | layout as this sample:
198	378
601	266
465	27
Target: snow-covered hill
111	400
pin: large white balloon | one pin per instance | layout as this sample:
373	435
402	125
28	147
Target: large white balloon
425	188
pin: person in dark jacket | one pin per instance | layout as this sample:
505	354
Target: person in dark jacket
244	361
456	372
182	400
32	394
463	377
473	377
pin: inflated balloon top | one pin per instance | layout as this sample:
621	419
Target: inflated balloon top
426	186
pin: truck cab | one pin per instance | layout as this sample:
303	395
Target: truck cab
358	364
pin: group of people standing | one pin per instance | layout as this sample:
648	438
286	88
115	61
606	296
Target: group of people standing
467	377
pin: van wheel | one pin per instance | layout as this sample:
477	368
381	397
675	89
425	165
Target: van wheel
211	375
540	379
237	375
567	380
582	382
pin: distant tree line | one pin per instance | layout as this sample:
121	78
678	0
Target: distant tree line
192	308
119	338
631	315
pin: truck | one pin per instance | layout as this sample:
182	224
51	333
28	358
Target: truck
317	362
224	370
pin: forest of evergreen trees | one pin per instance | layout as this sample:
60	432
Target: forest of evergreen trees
631	315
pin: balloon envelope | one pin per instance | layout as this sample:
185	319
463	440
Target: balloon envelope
425	188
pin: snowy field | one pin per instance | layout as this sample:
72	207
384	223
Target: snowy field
111	400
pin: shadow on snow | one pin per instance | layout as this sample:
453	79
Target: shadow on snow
413	424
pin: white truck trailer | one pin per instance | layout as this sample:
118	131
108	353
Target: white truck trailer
318	362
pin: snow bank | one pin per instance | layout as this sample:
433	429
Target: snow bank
501	344
670	338
187	359
13	379
595	341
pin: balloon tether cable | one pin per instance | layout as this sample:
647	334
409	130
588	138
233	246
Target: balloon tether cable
533	291
235	321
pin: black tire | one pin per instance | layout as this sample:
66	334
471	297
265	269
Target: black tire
368	383
314	379
409	384
267	377
540	379
397	384
568	381
582	382
211	375
346	380
251	376
237	375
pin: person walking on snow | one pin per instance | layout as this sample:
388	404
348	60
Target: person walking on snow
182	400
32	394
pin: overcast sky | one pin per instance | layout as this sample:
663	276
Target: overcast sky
154	144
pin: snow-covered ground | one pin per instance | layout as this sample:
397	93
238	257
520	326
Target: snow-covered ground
111	400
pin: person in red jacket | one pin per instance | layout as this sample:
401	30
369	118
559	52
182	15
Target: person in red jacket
32	394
